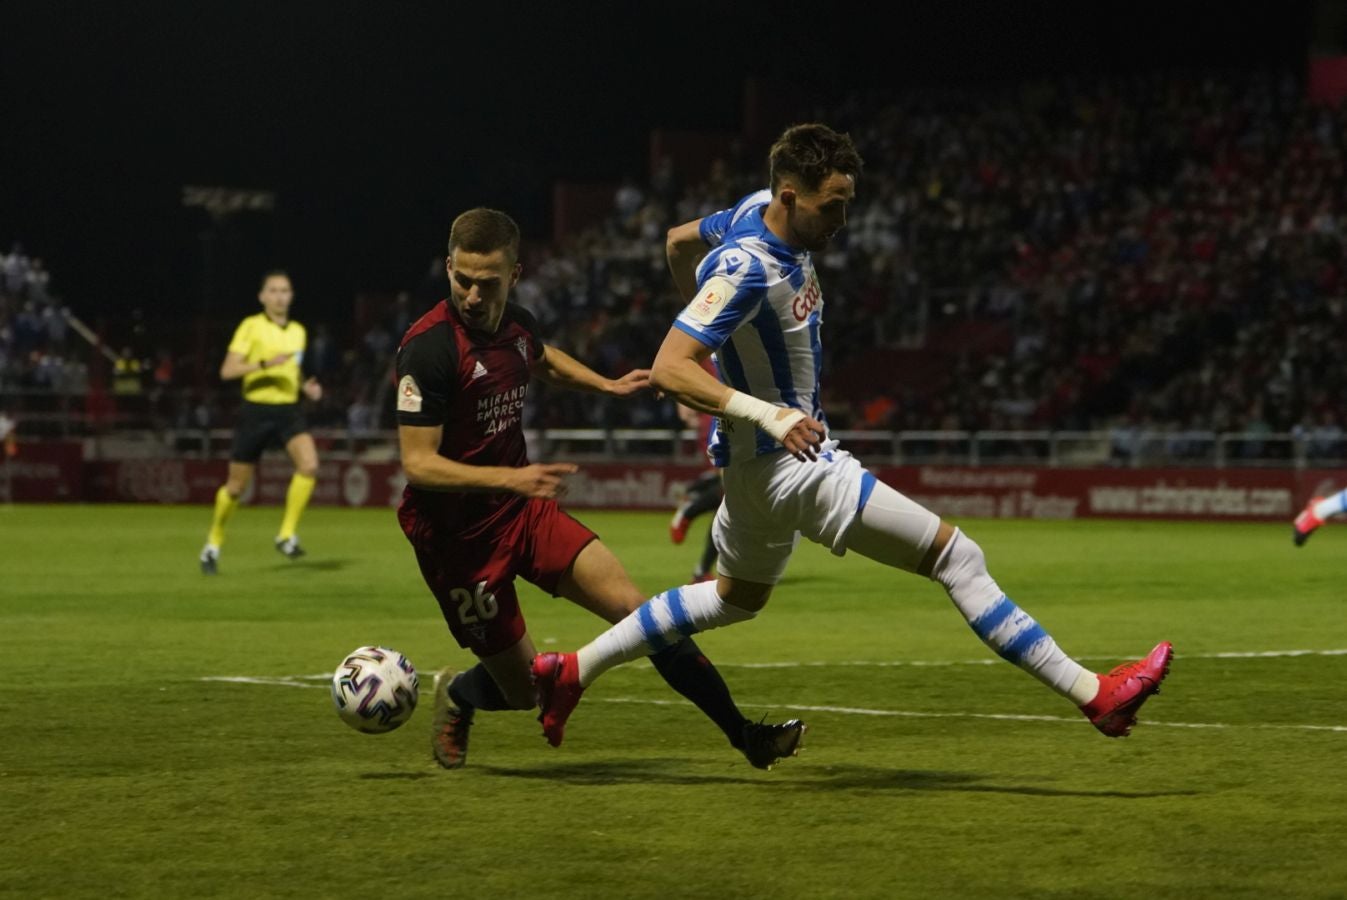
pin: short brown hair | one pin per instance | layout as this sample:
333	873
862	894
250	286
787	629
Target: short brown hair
810	152
483	230
273	273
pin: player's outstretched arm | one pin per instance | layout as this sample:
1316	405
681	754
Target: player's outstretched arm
427	469
563	370
678	373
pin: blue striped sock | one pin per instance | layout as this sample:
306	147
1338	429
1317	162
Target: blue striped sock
660	622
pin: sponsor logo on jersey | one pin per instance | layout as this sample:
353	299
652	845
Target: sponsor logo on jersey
478	370
409	395
806	300
732	263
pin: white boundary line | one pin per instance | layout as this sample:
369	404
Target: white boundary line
909	714
305	681
993	660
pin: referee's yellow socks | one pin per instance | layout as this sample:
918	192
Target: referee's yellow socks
224	508
296	498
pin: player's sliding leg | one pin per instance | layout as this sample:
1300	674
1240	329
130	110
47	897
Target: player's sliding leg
686	670
1315	513
598	582
660	622
894	530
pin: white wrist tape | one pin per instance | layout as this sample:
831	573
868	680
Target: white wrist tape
775	420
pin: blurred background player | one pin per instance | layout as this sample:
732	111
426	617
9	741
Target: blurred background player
267	352
758	306
702	495
478	514
1318	511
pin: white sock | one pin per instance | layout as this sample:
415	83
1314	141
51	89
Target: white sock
1003	626
1331	506
663	620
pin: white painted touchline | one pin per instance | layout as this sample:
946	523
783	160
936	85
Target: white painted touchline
301	682
910	714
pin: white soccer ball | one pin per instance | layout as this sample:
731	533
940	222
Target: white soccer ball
375	689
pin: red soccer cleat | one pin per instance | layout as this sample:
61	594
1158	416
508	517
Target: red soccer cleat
556	681
1307	522
1121	692
678	528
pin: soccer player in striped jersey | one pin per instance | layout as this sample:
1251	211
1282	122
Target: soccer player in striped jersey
758	308
478	515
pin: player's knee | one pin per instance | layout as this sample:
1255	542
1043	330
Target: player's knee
747	595
961	560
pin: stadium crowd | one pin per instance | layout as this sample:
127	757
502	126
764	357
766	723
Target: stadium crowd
1146	252
34	335
1161	252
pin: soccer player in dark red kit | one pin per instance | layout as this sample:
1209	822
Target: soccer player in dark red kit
478	514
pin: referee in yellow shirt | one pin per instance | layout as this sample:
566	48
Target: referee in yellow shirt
267	352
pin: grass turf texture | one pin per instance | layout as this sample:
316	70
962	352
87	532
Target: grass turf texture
126	772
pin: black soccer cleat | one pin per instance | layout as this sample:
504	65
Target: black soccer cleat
210	561
766	745
289	547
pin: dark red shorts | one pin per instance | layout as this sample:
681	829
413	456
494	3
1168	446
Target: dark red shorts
473	578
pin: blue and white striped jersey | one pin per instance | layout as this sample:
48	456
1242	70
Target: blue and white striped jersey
714	227
759	306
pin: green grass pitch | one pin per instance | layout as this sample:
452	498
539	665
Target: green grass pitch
130	768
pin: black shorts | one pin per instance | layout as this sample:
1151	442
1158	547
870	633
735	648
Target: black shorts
263	425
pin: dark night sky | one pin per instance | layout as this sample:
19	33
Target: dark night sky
375	123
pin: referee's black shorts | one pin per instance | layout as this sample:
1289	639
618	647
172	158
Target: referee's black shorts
263	425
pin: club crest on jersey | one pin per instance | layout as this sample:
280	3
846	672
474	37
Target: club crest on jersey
710	300
522	345
409	395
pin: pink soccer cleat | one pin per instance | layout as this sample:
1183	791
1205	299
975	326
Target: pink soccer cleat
678	526
1307	522
1121	692
556	681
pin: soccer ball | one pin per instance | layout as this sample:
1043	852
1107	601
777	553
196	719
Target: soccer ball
375	689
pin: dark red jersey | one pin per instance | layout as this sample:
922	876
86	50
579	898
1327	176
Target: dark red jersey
474	386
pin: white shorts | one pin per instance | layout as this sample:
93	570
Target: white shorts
771	500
